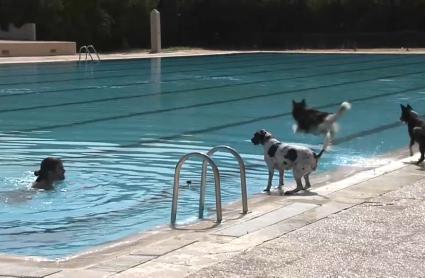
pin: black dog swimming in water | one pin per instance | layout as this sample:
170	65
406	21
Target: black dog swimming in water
416	129
313	121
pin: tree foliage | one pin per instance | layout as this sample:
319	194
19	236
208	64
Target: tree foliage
118	24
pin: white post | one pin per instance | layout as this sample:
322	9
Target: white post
155	32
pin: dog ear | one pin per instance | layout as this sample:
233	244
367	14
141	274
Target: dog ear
303	102
402	107
409	107
294	102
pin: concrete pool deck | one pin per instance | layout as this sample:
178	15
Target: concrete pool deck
201	52
282	236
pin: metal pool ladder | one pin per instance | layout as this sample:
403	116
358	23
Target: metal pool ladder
206	159
88	50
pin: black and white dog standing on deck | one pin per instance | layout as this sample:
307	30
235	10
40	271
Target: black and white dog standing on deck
416	129
313	121
281	156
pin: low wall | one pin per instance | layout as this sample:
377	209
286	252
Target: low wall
36	48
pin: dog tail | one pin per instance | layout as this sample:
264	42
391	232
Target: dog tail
344	107
326	144
317	156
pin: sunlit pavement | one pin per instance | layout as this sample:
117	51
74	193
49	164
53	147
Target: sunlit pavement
140	54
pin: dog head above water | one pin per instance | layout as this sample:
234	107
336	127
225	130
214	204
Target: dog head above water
261	136
297	106
407	113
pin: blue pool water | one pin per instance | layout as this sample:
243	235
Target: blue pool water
121	126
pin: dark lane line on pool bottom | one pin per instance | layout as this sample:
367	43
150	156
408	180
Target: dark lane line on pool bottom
148	71
222	59
53	66
337	141
51	127
288	62
240	123
195	89
142	83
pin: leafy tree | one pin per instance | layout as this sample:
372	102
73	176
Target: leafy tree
121	24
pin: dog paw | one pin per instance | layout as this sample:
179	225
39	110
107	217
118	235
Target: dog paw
295	128
266	189
292	191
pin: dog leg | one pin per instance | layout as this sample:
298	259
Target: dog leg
295	128
332	132
298	174
412	141
422	150
281	177
269	183
299	186
307	181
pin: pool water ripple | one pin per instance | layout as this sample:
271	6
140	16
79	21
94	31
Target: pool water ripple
119	171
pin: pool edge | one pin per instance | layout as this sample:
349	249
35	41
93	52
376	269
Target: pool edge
155	245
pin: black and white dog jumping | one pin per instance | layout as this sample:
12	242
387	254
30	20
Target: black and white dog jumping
281	156
309	120
416	129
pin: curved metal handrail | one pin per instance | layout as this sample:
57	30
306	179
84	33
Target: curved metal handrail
86	49
210	153
205	158
81	51
94	51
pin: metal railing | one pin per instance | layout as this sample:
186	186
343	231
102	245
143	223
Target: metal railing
244	194
206	159
179	165
88	50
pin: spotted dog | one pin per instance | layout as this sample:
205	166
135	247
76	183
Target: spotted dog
281	156
415	128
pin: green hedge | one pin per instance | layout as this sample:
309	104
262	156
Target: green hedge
121	24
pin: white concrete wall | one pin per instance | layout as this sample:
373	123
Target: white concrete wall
36	48
25	32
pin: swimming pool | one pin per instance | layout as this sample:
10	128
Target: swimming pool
121	126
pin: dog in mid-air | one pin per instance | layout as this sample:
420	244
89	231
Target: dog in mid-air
277	155
309	120
416	129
